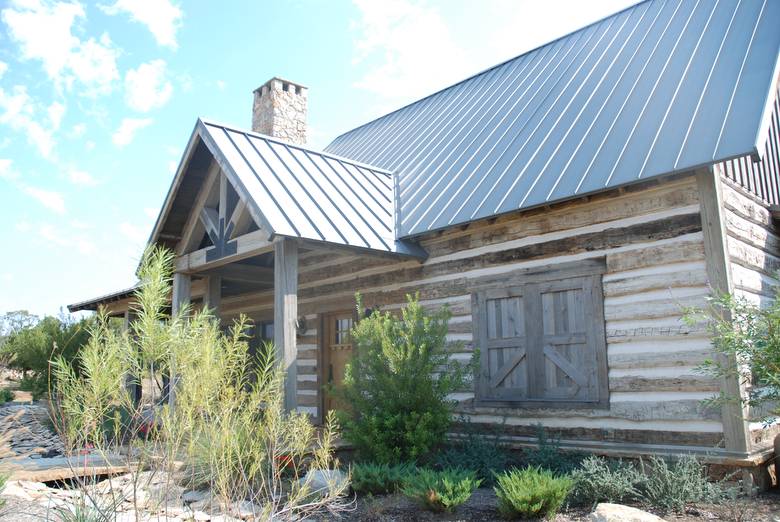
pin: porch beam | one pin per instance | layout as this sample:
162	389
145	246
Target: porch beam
248	245
190	238
244	273
285	314
213	294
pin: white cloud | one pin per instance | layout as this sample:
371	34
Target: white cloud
151	213
89	145
78	130
18	110
3	68
125	134
44	31
79	177
7	171
172	166
134	233
146	87
48	198
56	111
23	226
221	85
161	17
65	238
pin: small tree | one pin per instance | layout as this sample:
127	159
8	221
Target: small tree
30	348
398	383
746	338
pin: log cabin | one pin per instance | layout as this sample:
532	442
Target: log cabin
566	205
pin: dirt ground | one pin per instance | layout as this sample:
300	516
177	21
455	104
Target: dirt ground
483	507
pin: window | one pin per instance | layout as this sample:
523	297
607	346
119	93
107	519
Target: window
541	339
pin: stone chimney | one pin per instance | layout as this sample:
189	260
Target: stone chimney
279	110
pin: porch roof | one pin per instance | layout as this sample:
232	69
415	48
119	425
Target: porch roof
297	192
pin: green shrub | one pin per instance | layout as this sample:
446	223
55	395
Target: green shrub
478	452
377	479
6	395
600	480
548	455
531	492
397	384
671	486
440	490
31	348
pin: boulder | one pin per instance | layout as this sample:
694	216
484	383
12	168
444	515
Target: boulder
188	497
606	512
322	480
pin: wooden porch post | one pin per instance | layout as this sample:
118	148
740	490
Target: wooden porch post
213	294
180	298
285	314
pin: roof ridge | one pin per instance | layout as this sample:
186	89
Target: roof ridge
374	168
487	70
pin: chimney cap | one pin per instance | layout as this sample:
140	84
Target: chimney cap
283	80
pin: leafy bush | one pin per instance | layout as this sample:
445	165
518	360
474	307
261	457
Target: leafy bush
379	478
440	490
478	452
600	480
397	384
6	395
531	492
30	349
746	335
671	486
548	455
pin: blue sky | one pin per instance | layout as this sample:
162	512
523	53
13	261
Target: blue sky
97	102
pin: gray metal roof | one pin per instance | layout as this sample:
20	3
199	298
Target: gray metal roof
661	87
306	194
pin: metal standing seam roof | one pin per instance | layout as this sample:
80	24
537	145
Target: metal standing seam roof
313	195
661	87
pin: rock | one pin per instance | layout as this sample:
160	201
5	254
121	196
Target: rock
606	512
224	518
201	516
13	489
246	510
194	496
323	480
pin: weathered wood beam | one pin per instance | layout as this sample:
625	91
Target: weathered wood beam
190	237
286	313
245	273
248	245
213	295
210	220
736	431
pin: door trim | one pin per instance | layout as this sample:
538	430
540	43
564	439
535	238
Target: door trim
323	335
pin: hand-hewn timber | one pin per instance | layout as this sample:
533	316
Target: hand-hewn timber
286	313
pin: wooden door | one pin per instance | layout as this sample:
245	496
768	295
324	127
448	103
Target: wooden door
337	353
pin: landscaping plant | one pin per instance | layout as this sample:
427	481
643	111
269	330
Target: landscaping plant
224	428
601	480
6	395
477	451
746	339
531	492
440	490
377	479
398	382
673	485
548	455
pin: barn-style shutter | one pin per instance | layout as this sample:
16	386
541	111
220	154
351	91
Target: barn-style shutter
503	340
542	343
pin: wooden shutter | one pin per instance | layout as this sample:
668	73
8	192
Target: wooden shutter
543	343
502	336
568	347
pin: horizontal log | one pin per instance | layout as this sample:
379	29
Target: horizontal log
752	257
647	384
672	279
759	236
563	217
638	435
671	307
690	248
745	207
658	359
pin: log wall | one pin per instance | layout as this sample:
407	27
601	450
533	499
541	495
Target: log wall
651	238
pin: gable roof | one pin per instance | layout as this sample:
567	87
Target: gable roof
292	191
661	87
